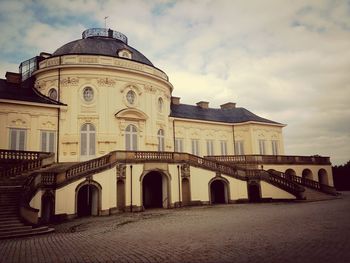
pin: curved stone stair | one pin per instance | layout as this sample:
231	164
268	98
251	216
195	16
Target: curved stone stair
11	225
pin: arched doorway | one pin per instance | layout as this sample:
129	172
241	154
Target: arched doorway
88	200
323	176
218	192
47	208
121	195
289	173
307	174
254	194
155	190
186	194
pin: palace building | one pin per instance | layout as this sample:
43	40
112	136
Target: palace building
93	129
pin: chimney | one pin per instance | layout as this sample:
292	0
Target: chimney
228	106
175	100
203	104
12	77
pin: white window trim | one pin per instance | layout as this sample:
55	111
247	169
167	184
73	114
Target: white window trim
47	138
88	133
17	143
223	147
160	135
178	144
131	137
210	147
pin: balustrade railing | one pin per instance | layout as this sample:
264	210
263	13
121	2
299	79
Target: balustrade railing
270	159
25	166
20	155
88	166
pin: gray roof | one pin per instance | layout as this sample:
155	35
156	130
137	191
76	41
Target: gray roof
100	46
23	92
236	115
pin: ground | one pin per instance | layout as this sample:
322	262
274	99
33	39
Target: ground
271	232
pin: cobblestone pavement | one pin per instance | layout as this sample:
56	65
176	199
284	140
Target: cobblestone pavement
270	232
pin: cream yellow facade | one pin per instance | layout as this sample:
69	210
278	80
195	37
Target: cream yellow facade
89	105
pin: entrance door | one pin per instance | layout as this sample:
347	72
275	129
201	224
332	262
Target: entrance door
217	192
185	185
87	203
152	190
120	195
254	193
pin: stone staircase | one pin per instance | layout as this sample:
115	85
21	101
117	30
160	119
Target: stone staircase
11	224
315	195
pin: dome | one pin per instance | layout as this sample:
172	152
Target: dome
101	41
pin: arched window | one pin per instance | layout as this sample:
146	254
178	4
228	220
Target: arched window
53	94
87	140
131	138
160	104
161	140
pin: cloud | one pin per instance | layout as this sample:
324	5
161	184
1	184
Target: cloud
288	62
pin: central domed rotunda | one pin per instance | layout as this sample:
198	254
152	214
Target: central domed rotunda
105	42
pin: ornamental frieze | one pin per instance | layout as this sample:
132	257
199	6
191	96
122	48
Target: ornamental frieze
150	89
69	81
106	82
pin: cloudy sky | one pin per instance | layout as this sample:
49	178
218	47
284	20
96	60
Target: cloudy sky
288	61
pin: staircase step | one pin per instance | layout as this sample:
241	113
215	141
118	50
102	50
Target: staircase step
32	232
14	229
10	225
10	220
8	214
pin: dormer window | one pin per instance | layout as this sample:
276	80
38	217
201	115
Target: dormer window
124	53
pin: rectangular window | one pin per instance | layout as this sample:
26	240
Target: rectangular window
262	147
210	147
18	139
223	146
195	147
274	147
47	141
178	145
239	147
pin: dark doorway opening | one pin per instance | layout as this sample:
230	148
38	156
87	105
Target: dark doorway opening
121	195
87	201
186	194
152	190
48	207
254	193
217	191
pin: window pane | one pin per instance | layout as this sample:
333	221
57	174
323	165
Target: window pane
92	143
13	139
134	142
22	138
127	142
83	146
43	141
51	142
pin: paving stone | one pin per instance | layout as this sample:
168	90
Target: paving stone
271	232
